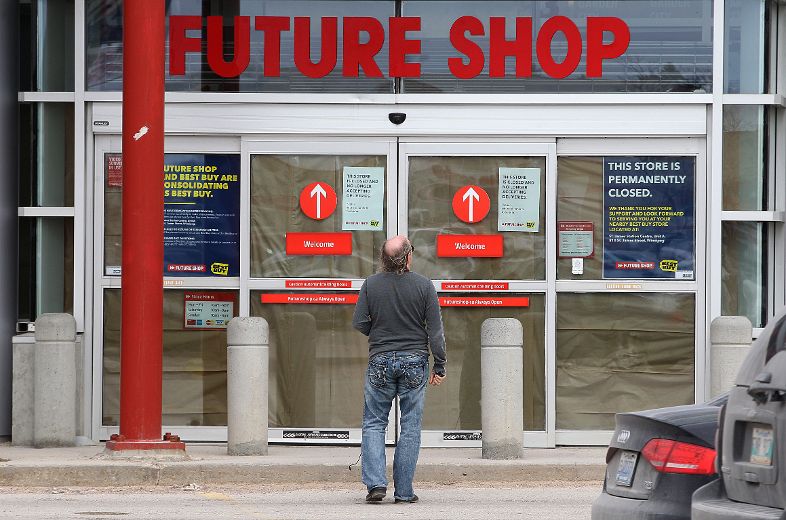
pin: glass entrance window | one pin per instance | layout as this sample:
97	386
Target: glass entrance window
455	404
194	359
317	364
620	353
277	182
434	182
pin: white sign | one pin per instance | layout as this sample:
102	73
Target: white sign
363	198
519	199
207	311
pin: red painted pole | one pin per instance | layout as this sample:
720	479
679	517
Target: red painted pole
143	229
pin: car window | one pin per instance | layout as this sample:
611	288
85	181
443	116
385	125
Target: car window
777	339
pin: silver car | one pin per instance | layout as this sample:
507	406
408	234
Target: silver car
752	438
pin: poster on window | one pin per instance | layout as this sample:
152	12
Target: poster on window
208	310
201	213
363	198
519	200
649	217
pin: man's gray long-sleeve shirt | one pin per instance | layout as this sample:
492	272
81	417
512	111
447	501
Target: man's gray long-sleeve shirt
400	312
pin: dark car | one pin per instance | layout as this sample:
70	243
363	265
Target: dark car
752	437
656	460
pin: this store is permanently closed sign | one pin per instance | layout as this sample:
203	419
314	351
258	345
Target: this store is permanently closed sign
649	217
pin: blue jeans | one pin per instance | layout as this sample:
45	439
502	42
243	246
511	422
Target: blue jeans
389	374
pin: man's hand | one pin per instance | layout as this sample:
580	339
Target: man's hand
435	379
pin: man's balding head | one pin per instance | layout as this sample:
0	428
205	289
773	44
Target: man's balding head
394	254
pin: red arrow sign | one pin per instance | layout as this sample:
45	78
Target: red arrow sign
318	200
471	204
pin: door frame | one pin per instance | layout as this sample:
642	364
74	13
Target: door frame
498	147
112	143
256	145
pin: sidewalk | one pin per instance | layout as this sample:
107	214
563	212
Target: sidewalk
210	464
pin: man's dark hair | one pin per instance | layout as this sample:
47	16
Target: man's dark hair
397	261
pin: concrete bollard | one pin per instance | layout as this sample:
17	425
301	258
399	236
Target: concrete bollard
22	389
730	339
54	410
247	386
502	383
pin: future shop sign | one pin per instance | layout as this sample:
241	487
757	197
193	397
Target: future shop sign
364	38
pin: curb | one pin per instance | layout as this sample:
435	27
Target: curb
163	474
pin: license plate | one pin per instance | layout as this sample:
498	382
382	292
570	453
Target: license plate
761	446
625	469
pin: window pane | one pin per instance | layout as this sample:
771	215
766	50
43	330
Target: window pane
455	404
105	47
433	183
745	40
744	158
276	184
744	271
675	60
580	199
194	364
317	365
46	154
46	45
46	266
614	350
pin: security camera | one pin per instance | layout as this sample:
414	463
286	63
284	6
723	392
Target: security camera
397	117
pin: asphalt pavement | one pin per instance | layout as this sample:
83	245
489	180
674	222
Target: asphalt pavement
90	466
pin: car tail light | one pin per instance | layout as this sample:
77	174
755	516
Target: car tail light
669	456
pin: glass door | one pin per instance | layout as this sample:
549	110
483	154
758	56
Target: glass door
201	281
477	215
317	217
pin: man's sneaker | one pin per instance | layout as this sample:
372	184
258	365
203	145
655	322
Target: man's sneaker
410	501
376	494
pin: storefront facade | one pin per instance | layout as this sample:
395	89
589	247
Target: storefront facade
613	198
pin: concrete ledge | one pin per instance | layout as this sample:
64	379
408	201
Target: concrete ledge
65	467
139	475
78	475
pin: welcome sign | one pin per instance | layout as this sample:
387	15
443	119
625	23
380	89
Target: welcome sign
362	39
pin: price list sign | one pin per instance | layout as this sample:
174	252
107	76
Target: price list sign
208	310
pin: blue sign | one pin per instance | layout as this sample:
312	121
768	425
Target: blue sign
649	217
202	215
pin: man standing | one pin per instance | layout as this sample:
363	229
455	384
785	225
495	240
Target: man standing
399	312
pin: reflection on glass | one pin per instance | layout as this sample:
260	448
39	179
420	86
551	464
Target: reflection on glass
46	45
46	154
46	266
317	365
455	404
194	366
744	271
676	60
620	353
745	42
276	183
104	33
744	158
433	181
